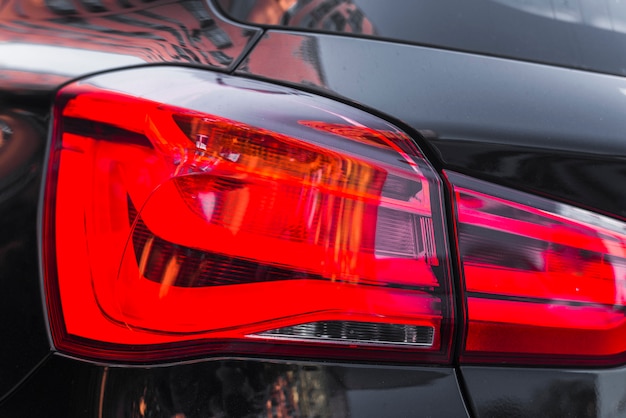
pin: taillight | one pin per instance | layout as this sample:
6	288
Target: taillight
544	282
189	213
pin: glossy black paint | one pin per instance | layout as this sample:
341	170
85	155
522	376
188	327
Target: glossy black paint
24	333
547	130
583	179
527	392
577	34
64	387
58	388
238	388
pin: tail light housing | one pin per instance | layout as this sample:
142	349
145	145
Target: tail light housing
545	282
190	213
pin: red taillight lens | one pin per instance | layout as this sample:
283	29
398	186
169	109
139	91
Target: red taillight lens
188	212
544	282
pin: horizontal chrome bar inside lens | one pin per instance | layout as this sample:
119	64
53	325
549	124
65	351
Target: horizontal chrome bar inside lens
353	332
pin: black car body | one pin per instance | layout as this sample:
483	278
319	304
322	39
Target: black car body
521	102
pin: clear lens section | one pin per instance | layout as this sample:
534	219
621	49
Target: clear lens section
235	212
543	280
350	332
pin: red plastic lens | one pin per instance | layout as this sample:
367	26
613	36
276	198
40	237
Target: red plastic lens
218	215
543	280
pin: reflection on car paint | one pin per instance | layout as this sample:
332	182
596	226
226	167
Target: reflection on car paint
250	388
107	34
